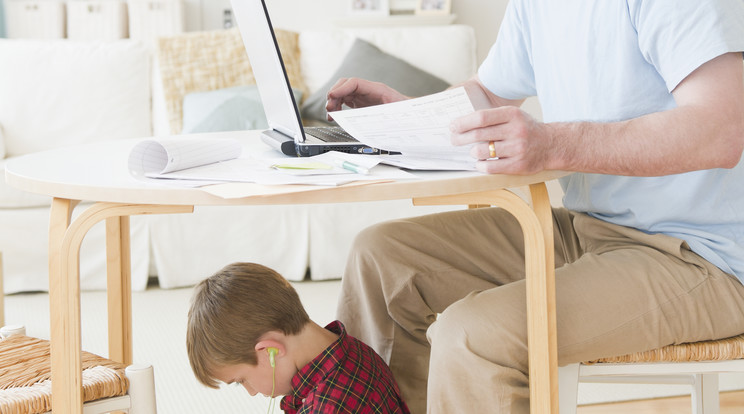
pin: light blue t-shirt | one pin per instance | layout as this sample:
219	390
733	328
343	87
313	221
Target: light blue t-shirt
612	60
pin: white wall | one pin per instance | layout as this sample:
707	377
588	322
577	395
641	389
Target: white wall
484	16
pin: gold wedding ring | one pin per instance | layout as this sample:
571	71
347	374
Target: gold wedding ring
491	150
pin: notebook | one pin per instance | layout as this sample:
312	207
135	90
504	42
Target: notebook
286	132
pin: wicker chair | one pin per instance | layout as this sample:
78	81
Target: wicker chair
696	364
25	385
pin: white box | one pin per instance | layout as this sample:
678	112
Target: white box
150	19
97	19
35	19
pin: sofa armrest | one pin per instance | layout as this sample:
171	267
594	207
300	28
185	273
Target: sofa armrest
2	143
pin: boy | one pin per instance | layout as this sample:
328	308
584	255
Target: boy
247	325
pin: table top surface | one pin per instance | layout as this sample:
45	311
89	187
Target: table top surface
99	172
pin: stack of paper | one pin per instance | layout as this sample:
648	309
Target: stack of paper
417	128
198	161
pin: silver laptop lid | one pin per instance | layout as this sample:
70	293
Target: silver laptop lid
273	85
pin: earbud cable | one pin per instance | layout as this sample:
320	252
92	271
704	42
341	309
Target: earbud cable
272	405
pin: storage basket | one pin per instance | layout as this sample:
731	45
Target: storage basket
35	19
97	19
152	19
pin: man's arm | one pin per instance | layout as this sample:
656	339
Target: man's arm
705	130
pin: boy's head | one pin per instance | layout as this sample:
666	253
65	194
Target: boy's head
231	310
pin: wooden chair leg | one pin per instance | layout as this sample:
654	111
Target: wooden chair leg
705	394
141	389
568	388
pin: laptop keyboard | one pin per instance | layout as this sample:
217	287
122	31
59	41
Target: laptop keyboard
330	134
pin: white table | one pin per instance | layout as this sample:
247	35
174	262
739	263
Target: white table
98	173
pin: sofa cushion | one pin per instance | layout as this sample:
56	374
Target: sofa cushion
447	52
228	109
211	60
367	61
97	90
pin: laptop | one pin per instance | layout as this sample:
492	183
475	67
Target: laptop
286	132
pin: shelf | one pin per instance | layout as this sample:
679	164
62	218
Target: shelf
395	20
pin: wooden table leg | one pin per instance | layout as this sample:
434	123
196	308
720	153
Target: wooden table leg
119	289
537	227
64	308
543	342
65	239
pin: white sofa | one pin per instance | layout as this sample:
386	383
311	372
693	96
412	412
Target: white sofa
55	93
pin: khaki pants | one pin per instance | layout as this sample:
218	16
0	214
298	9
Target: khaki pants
618	291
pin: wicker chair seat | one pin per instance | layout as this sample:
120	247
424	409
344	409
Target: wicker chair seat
25	376
716	350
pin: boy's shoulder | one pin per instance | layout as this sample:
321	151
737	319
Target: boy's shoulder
364	371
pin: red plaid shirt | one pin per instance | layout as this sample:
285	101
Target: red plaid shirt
348	377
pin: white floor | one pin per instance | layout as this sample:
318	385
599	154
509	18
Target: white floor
159	324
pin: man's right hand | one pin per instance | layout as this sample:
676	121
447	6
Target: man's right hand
358	93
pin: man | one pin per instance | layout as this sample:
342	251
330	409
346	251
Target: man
644	101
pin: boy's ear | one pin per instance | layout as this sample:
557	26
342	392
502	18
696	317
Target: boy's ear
270	344
264	345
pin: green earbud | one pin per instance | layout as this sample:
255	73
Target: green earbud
272	355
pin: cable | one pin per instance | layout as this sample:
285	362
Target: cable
272	402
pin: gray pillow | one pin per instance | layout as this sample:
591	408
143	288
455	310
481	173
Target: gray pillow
230	109
366	61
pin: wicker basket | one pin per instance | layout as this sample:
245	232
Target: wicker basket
25	376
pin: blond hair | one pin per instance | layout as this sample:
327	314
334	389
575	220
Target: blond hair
231	310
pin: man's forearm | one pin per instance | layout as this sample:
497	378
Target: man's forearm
671	142
705	131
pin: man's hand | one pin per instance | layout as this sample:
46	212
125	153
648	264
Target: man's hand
519	143
358	93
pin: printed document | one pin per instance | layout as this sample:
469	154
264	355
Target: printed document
417	128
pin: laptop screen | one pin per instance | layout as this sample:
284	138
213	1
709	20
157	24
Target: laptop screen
273	85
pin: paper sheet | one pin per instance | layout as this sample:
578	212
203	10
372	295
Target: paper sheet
198	161
260	171
417	128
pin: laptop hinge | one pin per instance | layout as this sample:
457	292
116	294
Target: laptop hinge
288	132
279	141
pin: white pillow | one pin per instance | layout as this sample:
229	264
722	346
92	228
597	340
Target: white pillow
229	109
62	92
